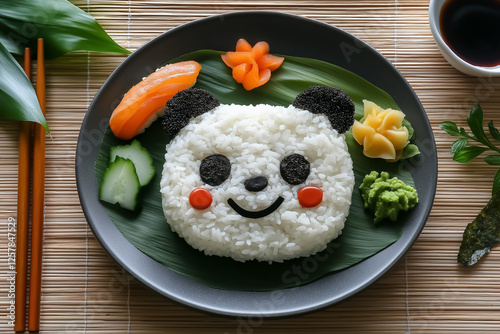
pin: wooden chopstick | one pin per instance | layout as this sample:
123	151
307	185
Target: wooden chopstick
38	200
23	186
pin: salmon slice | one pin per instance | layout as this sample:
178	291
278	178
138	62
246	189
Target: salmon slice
256	77
233	59
269	61
260	49
243	45
240	71
144	102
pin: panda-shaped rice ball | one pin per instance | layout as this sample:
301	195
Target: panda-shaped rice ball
258	182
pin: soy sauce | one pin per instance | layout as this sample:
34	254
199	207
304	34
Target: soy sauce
471	28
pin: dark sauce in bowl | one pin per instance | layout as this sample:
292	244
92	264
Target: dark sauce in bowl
471	28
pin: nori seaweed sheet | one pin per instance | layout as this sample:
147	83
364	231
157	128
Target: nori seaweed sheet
482	234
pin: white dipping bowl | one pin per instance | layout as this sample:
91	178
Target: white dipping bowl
452	58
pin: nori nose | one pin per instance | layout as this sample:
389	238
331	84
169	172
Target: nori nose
256	183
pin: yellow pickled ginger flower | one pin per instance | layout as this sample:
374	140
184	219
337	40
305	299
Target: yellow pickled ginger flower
381	132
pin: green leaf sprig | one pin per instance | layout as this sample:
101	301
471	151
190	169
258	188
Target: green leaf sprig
464	152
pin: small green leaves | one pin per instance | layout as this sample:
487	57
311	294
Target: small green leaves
451	128
468	153
459	145
462	152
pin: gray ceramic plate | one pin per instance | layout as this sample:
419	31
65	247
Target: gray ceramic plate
289	35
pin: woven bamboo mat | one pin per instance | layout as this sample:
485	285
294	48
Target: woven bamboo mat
84	291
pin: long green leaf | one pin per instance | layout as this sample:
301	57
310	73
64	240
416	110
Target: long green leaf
149	232
63	26
493	160
17	97
468	153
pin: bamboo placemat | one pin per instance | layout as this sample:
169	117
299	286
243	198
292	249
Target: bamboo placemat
84	291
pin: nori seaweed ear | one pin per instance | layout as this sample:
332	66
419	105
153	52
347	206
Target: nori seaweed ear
330	101
184	105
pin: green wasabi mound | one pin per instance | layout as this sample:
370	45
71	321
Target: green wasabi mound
386	197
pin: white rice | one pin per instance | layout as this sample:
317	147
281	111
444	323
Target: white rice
256	139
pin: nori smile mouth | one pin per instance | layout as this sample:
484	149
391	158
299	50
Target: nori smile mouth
255	214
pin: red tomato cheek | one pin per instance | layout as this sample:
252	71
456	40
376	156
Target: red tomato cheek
200	198
310	196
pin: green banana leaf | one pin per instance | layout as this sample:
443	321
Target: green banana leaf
17	97
148	230
63	26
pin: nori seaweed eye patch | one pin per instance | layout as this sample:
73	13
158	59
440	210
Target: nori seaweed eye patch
295	169
215	169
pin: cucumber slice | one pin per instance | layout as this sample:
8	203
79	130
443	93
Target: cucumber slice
140	157
120	184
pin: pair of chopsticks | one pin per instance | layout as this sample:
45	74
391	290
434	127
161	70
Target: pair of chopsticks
23	200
